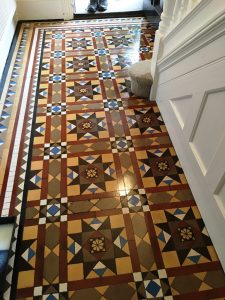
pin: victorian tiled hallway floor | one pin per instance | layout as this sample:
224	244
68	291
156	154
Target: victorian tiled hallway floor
103	207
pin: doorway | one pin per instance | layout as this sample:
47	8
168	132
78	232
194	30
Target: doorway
115	6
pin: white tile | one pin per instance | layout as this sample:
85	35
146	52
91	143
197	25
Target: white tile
38	291
162	273
137	276
125	210
62	287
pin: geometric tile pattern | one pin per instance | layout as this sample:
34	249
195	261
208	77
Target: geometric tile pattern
103	207
160	167
84	91
10	101
145	121
91	174
153	285
183	238
86	126
98	247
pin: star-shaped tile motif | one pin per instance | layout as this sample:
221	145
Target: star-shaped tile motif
84	90
91	175
88	126
98	246
181	232
163	166
147	121
81	64
120	41
81	43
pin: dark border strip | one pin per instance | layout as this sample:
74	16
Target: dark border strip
151	15
24	200
42	21
9	57
128	14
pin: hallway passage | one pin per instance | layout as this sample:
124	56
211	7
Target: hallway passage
103	207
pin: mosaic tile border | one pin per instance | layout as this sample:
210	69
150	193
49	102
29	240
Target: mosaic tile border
23	154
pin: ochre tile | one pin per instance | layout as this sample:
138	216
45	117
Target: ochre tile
26	279
75	272
30	232
124	265
116	221
74	226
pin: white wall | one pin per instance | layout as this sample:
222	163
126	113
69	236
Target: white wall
44	9
8	21
41	9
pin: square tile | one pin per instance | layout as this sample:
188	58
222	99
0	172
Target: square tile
113	104
38	291
122	144
106	75
134	201
151	286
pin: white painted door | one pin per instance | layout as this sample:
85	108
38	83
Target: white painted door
190	92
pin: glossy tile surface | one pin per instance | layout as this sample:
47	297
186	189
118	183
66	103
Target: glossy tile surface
104	208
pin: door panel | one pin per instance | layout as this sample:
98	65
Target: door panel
191	96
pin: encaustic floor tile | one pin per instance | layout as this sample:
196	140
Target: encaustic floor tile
103	207
182	237
93	174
